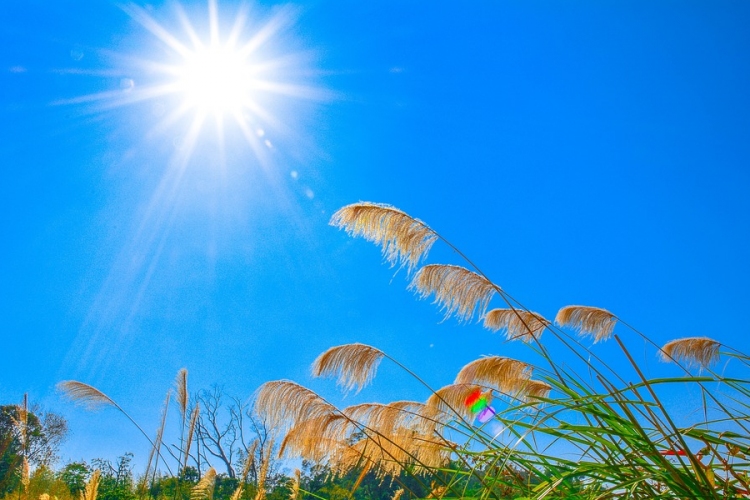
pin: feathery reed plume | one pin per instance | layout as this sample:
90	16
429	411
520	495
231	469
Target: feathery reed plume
250	459
25	474
294	495
588	321
457	290
263	472
191	432
23	423
92	487
437	491
698	351
451	400
402	238
401	434
44	496
238	492
534	389
354	365
506	374
90	397
182	392
397	494
284	403
204	490
316	438
387	419
517	324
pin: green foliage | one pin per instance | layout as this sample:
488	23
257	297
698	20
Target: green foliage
75	475
45	432
116	482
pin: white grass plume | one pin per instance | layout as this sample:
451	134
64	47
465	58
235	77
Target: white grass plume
354	365
457	290
403	239
588	321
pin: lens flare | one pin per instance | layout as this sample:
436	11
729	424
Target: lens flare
478	404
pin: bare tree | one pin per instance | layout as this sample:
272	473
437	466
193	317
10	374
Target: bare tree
228	431
218	434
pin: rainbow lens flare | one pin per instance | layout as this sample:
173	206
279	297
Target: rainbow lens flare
479	405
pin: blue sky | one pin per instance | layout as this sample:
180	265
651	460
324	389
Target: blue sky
579	152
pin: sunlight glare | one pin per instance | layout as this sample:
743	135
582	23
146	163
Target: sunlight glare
216	80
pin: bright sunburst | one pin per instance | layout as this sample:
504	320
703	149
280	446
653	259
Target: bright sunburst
216	79
229	74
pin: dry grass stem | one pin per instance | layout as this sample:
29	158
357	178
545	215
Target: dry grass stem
588	321
354	365
284	403
88	396
697	351
397	494
506	374
517	324
402	238
457	290
204	490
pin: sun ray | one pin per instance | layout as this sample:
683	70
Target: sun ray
148	22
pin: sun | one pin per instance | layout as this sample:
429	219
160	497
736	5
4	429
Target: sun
216	80
233	71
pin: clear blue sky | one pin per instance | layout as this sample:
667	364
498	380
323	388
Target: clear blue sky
589	153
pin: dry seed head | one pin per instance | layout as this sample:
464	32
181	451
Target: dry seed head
283	404
588	321
534	389
457	290
21	421
204	490
92	487
354	365
25	474
44	496
294	495
317	438
698	351
517	324
191	432
238	492
451	400
506	374
182	392
88	396
402	238
386	419
397	494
